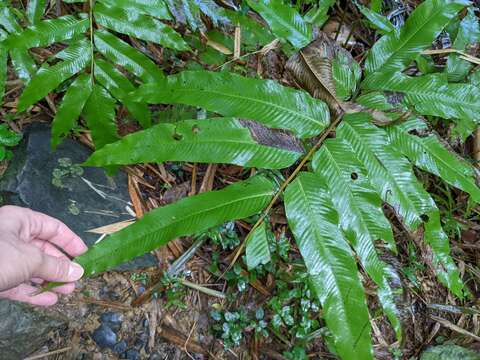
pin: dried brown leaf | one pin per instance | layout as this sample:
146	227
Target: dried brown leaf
312	69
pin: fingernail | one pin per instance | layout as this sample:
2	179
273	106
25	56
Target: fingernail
75	272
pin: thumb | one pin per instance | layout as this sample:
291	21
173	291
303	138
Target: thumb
58	269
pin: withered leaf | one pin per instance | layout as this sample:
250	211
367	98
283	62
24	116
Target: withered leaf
312	69
278	138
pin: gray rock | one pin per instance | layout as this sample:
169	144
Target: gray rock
52	182
105	337
24	329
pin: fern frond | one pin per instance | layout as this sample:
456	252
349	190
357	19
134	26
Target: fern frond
71	107
119	86
431	94
284	21
360	216
376	20
346	74
428	154
318	14
99	112
221	140
48	32
76	57
132	22
256	250
330	264
23	64
264	101
185	217
254	34
391	175
395	51
155	8
8	19
189	12
121	53
468	35
35	10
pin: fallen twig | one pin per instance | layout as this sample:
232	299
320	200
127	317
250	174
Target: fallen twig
454	327
41	356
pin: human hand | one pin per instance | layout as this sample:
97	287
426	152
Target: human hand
30	253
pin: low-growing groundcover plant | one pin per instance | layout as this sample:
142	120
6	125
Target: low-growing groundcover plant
361	134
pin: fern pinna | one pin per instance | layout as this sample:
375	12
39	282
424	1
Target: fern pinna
334	206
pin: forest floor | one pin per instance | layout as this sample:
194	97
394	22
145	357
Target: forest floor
209	311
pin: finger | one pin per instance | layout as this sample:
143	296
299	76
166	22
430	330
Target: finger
27	294
46	228
57	269
49	249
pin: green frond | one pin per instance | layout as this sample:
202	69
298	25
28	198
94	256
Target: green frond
396	50
121	53
431	94
8	19
445	268
375	100
427	153
391	175
99	112
35	10
185	217
229	94
119	86
155	8
284	21
330	264
256	250
71	107
76	57
133	23
222	140
389	172
254	33
346	74
376	20
468	36
189	13
48	32
360	216
23	64
318	14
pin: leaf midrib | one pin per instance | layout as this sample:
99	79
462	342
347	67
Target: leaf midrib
269	104
176	221
317	232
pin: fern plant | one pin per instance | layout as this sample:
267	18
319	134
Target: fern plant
86	66
333	205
